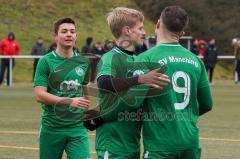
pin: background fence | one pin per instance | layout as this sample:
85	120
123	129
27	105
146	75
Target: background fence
88	56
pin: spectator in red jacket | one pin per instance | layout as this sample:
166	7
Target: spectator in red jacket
8	47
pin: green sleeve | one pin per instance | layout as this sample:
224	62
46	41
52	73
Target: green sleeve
204	95
106	66
87	75
42	73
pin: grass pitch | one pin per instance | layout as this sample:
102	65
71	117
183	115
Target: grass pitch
20	121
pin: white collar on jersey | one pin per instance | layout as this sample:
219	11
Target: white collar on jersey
55	54
168	44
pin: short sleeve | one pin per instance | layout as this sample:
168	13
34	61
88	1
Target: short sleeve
106	66
42	73
87	75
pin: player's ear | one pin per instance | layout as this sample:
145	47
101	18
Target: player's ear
158	24
126	30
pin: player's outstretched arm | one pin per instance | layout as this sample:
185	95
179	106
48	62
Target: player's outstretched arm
152	79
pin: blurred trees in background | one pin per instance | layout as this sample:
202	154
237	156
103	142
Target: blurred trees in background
218	19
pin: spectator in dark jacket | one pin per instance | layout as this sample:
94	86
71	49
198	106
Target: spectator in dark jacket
87	47
194	47
210	57
140	48
38	50
108	45
97	49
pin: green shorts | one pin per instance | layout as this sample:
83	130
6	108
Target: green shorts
182	154
117	155
53	143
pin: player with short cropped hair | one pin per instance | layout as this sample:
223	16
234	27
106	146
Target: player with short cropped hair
170	121
117	139
59	84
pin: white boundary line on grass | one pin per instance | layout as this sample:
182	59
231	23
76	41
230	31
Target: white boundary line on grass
29	133
94	152
93	134
26	148
20	132
19	147
219	139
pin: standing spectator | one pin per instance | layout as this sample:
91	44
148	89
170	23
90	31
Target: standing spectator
87	47
201	47
140	48
97	49
150	42
210	56
8	47
194	47
108	45
237	57
38	49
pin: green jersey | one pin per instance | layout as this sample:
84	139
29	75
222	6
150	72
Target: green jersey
117	134
170	120
63	77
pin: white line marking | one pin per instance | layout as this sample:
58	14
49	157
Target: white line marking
219	139
29	133
27	148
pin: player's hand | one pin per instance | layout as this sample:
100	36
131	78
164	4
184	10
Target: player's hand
80	102
154	79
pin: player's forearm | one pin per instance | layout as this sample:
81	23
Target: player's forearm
48	98
86	92
116	84
42	96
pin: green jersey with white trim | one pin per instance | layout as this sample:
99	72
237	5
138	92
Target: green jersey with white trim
170	120
119	133
63	77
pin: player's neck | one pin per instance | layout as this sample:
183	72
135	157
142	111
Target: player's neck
167	37
126	44
64	52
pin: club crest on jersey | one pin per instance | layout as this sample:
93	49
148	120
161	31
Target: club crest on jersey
79	71
138	72
70	85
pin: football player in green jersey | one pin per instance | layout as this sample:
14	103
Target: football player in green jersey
170	121
117	139
59	84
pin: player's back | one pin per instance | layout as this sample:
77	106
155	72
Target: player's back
170	119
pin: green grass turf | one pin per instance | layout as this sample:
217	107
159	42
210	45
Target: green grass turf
20	122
